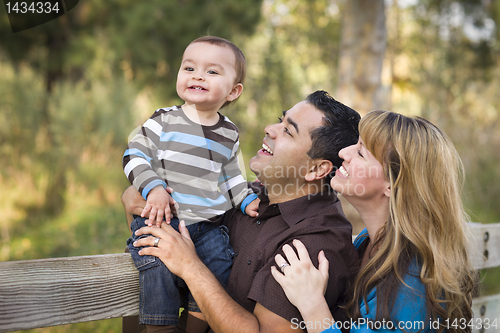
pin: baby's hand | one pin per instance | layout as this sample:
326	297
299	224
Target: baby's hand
174	206
158	206
252	209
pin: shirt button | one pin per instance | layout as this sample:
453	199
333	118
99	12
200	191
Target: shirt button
258	222
249	262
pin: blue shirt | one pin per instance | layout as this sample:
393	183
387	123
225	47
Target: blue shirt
409	313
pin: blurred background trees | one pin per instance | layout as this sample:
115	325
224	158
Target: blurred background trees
74	88
362	51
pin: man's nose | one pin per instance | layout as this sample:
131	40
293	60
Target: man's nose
271	130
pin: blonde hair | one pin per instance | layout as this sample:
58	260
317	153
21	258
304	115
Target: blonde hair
426	222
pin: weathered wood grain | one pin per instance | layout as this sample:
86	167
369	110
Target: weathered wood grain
49	292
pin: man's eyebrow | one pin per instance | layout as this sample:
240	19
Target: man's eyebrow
291	122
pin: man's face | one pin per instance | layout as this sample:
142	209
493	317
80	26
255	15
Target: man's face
284	158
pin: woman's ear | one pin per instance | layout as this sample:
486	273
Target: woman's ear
387	191
319	170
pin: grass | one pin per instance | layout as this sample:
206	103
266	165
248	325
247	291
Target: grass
101	326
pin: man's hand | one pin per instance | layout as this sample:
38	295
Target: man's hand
252	209
158	206
175	249
132	201
177	252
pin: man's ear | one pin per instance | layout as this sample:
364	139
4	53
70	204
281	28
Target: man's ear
319	170
235	92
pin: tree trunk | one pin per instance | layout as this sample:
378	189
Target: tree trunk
362	53
53	159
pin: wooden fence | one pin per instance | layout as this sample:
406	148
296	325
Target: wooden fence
50	292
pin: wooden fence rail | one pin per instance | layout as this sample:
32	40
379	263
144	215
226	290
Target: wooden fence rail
50	292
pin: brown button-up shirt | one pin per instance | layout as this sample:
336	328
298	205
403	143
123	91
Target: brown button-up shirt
317	221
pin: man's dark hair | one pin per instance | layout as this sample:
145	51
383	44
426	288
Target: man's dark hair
339	130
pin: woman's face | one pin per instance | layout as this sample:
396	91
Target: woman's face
361	175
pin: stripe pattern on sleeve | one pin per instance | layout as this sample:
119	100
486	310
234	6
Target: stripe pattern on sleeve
199	162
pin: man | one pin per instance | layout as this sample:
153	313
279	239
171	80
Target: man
295	165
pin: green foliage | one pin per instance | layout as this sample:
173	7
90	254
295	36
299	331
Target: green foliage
22	96
148	38
102	326
89	126
456	79
489	281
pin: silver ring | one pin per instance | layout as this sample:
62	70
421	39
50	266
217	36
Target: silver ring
283	265
157	240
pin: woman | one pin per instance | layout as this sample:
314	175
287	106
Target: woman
403	179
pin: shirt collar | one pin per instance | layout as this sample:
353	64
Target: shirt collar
296	210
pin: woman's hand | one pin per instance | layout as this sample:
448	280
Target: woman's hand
304	285
175	249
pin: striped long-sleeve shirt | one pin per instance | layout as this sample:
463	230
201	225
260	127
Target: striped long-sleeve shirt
199	162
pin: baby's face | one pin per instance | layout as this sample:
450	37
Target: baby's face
206	78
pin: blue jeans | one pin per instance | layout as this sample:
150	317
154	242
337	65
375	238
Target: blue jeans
160	298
